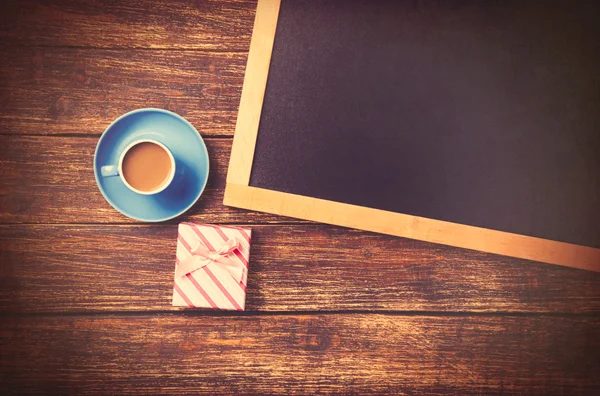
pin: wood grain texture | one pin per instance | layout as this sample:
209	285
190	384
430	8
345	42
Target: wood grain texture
47	91
372	354
69	68
205	25
51	180
317	268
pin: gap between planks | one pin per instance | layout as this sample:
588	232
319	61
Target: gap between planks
216	313
129	48
89	135
168	223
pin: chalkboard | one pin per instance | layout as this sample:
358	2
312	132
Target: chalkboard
484	114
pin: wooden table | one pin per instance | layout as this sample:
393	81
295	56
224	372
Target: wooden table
85	293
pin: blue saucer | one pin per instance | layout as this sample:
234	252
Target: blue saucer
191	164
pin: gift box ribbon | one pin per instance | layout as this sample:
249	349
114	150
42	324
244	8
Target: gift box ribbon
203	256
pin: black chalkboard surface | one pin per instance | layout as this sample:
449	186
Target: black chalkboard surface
484	113
474	124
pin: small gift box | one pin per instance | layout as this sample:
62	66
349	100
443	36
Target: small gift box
211	266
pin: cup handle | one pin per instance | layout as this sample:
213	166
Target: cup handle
109	170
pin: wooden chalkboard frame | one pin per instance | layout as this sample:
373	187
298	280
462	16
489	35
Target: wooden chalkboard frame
239	193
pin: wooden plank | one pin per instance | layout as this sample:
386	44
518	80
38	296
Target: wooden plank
130	268
372	354
51	180
421	228
126	24
253	93
81	91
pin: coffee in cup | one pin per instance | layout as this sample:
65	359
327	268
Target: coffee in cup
145	166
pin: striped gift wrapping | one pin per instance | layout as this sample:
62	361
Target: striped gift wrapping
211	286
